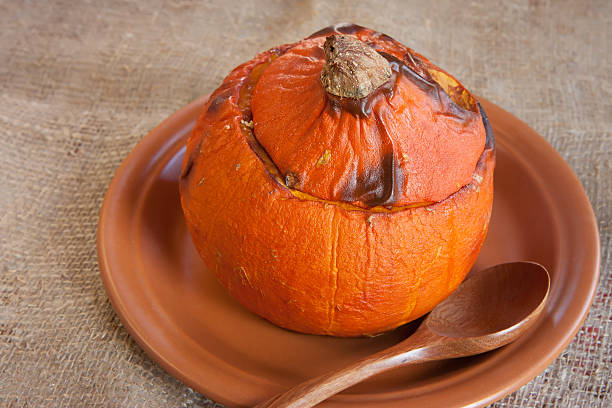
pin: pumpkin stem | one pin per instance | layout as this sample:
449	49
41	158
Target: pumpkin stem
352	68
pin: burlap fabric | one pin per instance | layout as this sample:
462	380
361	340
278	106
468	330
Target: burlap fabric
82	82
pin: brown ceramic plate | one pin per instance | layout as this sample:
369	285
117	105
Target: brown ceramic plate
185	321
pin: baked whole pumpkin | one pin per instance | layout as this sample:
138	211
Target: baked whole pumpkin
340	185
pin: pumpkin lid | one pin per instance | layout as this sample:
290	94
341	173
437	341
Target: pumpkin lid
364	120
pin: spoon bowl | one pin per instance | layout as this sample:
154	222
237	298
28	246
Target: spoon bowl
492	301
489	310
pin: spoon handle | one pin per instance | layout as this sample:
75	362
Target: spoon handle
318	389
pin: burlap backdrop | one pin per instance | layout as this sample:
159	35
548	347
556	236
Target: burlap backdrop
82	82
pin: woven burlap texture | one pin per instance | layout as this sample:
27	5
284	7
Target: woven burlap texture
82	82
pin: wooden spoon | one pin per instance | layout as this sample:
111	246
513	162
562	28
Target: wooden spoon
489	310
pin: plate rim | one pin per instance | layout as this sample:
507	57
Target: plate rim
183	115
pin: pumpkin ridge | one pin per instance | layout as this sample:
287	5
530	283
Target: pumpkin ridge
314	265
334	268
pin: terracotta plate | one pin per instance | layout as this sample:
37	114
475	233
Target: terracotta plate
185	321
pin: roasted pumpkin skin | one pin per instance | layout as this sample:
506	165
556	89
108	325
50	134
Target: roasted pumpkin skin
313	261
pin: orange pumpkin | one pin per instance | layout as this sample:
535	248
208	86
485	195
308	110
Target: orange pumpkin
341	185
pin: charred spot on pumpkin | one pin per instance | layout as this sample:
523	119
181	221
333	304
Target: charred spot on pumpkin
217	102
457	93
187	168
244	104
190	161
377	186
385	37
417	65
489	137
411	69
414	69
349	28
430	75
489	140
340	28
291	180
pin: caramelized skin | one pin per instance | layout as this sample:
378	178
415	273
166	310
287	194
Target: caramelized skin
406	143
325	267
